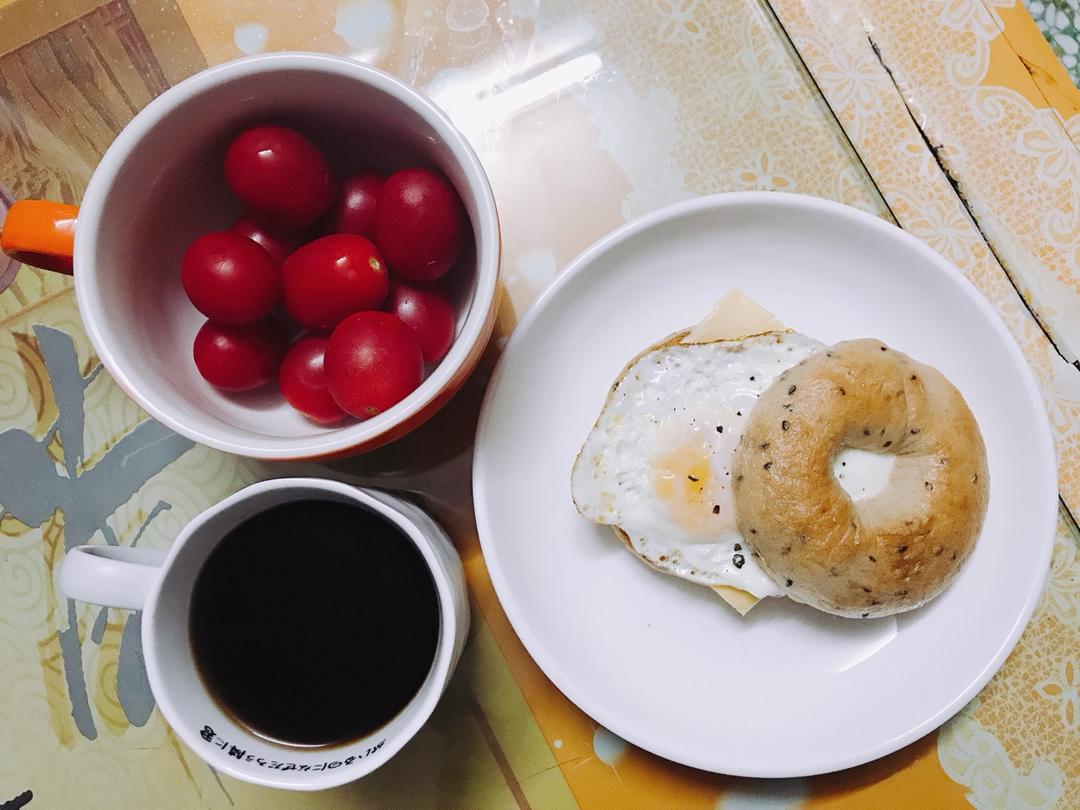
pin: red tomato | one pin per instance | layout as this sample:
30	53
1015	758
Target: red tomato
302	378
239	358
278	243
419	224
279	175
333	277
230	279
353	209
428	312
373	361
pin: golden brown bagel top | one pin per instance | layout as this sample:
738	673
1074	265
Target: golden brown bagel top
889	553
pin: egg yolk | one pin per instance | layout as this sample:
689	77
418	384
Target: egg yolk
681	478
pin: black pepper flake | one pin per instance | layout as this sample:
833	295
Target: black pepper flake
888	444
753	531
843	393
865	589
843	463
738	560
751	379
785	425
692	478
719	428
873	559
884	349
914	431
790	583
738	478
874	602
663	558
902	593
954	555
786	550
766	465
738	413
738	546
764	445
866	432
928	485
867	614
901	549
716	509
914	377
791	390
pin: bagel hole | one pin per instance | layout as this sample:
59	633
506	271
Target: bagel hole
862	474
903	503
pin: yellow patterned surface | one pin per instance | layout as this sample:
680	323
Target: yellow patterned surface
585	115
1017	745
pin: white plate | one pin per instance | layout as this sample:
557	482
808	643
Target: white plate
788	691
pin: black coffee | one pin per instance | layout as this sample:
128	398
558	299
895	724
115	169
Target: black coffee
314	622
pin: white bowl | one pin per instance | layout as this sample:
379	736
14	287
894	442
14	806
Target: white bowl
161	184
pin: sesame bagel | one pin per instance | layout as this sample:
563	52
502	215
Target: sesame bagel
889	553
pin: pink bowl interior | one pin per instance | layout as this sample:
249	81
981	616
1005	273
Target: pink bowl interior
170	189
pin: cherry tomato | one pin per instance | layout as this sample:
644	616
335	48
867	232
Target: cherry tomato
302	378
353	209
229	278
278	243
419	224
333	277
373	361
280	176
428	312
239	358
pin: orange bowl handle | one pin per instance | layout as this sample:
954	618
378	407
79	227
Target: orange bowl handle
40	233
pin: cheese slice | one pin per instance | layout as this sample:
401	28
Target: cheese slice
739	599
733	317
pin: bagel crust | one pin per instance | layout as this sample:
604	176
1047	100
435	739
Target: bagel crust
896	550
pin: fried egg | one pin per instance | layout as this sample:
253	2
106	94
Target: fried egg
657	463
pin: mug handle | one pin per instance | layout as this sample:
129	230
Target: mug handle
40	233
117	576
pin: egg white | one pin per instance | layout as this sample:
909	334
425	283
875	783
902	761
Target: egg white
657	463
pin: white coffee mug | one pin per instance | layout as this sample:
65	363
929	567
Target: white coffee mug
160	584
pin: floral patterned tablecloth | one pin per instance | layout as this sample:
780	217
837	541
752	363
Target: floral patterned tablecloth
952	118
